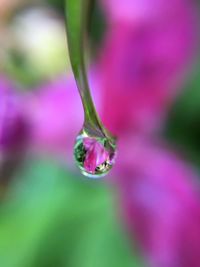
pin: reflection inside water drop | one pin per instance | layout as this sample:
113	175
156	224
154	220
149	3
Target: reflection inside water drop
94	156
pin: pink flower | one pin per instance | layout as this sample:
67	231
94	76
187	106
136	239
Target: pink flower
56	115
143	11
53	110
159	202
95	155
144	61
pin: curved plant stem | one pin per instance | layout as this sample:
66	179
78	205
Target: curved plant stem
77	13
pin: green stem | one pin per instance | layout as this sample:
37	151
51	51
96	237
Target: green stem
77	13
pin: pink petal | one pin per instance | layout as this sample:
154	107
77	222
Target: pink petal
143	63
160	204
56	115
95	155
144	11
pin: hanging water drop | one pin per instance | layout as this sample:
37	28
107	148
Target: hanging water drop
95	147
94	156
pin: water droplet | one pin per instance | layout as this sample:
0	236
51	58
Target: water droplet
94	156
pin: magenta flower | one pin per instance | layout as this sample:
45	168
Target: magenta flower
159	203
144	60
96	154
143	11
53	110
56	115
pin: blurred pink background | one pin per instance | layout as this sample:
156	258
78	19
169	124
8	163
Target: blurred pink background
143	72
